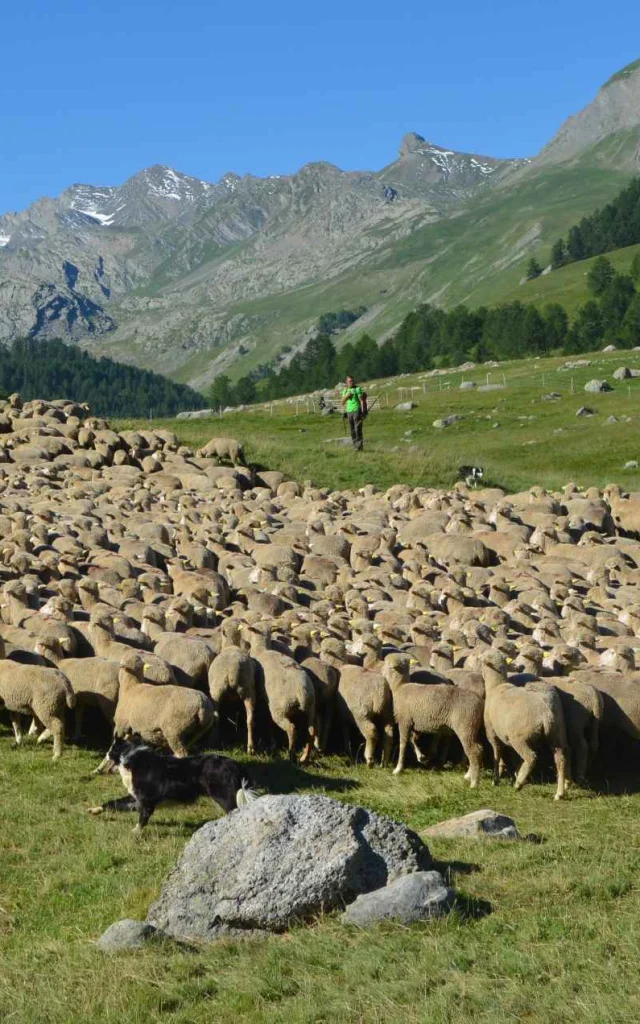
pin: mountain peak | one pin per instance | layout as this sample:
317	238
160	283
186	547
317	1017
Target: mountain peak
411	143
627	72
616	109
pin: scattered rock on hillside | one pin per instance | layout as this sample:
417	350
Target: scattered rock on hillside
421	896
467	385
279	860
611	419
491	387
405	406
631	464
625	373
552	396
609	348
447	421
127	934
477	824
584	410
199	414
594	386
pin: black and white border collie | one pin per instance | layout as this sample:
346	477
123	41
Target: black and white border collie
151	778
472	475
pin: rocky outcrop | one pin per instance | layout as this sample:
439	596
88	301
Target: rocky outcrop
280	860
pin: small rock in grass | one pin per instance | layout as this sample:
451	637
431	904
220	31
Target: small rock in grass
631	464
584	410
447	421
405	406
611	419
594	386
467	385
552	396
127	934
478	823
420	896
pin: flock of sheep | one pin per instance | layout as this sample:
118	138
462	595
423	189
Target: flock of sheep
157	591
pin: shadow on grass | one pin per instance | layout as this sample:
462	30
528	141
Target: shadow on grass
468	908
450	868
282	776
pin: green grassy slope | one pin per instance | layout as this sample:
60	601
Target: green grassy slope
537	441
542	932
569	284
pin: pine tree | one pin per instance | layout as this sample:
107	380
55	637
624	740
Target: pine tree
533	269
558	254
600	276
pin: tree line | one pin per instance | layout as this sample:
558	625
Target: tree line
52	369
615	226
430	337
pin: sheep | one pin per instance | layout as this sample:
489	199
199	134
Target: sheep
156	669
94	682
190	657
232	674
38	691
522	718
288	690
364	700
324	672
427	708
223	448
171	716
582	706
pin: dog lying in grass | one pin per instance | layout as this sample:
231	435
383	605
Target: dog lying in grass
151	778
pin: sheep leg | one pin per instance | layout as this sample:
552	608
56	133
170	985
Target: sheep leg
495	748
387	744
56	727
44	735
559	756
420	757
101	767
177	747
529	759
290	729
250	712
402	752
34	727
312	738
370	733
16	724
473	753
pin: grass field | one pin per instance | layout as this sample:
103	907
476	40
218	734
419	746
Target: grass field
542	932
404	447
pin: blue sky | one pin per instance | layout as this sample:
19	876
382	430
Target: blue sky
94	92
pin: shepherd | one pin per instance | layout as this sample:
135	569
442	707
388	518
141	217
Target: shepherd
354	402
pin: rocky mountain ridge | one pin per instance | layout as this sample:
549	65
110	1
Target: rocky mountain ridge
189	276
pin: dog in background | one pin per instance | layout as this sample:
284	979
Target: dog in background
151	778
472	475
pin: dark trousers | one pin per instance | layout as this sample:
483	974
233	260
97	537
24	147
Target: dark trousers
355	425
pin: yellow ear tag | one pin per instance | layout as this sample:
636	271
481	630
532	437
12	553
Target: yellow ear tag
509	661
146	667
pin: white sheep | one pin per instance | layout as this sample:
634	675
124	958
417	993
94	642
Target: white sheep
232	676
522	718
430	707
172	716
37	691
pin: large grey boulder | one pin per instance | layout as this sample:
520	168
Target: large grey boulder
594	386
279	860
420	896
474	825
